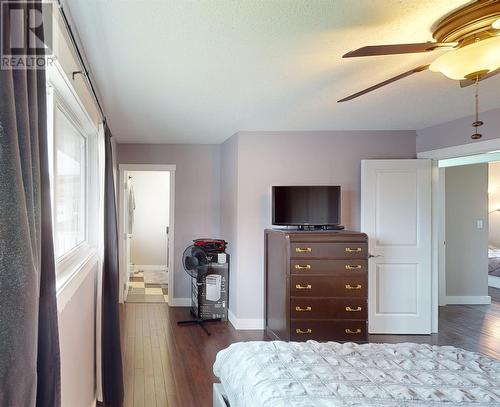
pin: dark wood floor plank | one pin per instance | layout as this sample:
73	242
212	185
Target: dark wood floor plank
139	388
159	382
173	401
149	381
139	338
128	371
167	365
177	361
168	376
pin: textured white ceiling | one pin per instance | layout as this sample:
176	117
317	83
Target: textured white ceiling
178	71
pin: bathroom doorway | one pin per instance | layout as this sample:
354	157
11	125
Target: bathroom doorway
146	226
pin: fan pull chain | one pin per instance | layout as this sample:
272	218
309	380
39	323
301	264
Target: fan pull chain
477	123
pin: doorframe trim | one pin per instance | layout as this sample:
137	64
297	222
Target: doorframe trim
439	213
122	169
479	147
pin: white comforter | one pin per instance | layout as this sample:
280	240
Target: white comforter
279	374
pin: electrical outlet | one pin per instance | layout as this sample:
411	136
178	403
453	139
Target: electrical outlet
479	224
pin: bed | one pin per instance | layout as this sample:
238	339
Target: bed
313	374
493	261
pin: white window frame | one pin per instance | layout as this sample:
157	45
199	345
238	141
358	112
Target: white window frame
59	105
61	95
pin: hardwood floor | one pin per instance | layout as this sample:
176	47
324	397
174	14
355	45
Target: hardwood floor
167	365
471	327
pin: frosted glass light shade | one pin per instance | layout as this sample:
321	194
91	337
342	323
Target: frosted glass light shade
479	56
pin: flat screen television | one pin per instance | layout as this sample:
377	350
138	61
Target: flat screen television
306	205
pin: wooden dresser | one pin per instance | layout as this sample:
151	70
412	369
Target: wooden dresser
316	285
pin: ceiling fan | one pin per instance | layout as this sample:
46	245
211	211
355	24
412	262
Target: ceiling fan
471	35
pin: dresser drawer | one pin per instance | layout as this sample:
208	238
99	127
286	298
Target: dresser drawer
345	250
328	308
344	268
325	286
328	330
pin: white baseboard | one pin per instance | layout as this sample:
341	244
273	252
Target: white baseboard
245	323
179	302
150	267
494	281
468	299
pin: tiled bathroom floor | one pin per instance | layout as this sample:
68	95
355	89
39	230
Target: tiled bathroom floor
140	291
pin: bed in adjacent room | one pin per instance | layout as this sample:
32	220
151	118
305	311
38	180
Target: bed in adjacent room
493	266
313	374
493	261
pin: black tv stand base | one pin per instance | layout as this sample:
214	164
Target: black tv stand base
312	227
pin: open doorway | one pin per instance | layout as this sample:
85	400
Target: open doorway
494	225
471	228
146	231
470	153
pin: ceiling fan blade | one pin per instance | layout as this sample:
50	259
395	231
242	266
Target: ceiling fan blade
467	82
386	82
373	50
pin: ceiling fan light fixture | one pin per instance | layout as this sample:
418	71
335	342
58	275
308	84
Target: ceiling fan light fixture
496	24
478	58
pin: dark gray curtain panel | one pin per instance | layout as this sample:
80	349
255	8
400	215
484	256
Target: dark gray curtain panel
29	344
112	375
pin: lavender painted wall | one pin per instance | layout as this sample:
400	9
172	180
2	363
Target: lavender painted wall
293	158
458	132
197	193
77	343
466	245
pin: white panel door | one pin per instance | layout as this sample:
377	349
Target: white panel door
396	215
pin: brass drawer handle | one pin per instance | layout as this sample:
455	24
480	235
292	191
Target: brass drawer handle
306	309
303	266
350	331
300	331
351	250
353	267
303	287
349	309
303	249
353	287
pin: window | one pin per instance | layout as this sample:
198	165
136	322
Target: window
69	185
74	166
